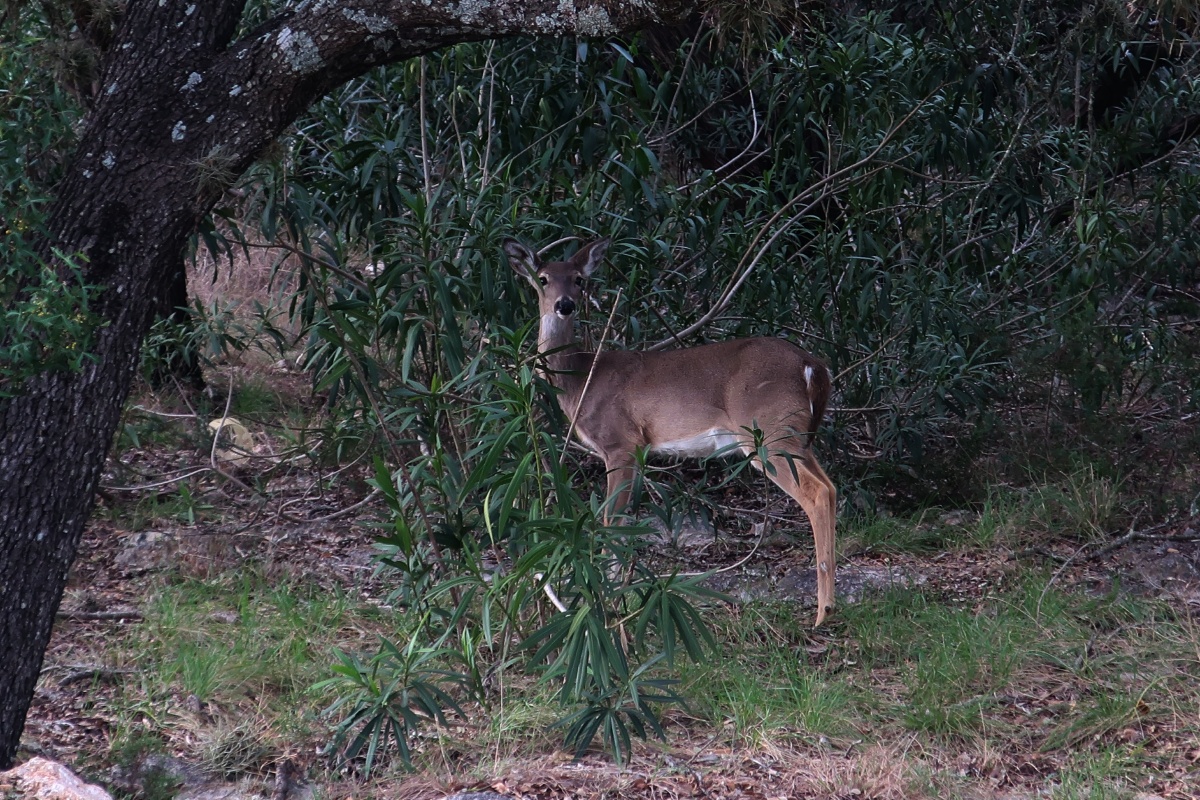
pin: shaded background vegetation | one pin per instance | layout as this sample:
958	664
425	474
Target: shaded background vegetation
983	218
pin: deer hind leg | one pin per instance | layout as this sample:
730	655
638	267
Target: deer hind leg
797	472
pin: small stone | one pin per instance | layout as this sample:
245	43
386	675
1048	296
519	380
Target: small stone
147	550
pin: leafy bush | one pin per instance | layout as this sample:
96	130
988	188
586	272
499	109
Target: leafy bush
45	323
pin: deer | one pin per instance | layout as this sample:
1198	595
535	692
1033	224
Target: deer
724	397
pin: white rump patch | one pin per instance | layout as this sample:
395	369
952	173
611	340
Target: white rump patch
808	376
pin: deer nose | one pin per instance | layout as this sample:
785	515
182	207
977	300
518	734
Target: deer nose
564	307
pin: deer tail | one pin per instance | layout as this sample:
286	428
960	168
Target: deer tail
819	382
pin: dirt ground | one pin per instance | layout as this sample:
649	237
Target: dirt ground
69	720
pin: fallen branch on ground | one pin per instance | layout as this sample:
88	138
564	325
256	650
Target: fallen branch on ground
127	613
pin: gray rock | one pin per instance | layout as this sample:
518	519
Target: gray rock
222	791
147	550
49	780
799	585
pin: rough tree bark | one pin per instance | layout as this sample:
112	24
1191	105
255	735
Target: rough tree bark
183	108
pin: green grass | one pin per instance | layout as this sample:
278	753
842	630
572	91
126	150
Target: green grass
200	667
158	508
1035	669
766	686
245	651
1082	506
874	533
1032	669
254	399
997	522
143	429
1108	773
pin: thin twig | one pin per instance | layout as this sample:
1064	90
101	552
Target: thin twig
85	672
1055	576
212	455
163	414
728	165
762	532
819	191
329	517
306	255
157	484
549	590
89	616
1148	535
872	355
1145	534
425	142
679	84
591	371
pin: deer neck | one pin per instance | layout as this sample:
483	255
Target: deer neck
566	361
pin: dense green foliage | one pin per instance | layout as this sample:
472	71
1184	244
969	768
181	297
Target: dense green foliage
44	319
987	208
932	214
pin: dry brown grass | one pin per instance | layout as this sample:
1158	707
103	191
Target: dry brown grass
262	273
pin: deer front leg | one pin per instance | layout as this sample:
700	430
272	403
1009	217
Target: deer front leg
621	472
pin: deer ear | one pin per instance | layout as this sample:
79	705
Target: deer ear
591	256
523	260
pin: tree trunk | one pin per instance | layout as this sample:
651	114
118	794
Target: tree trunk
182	110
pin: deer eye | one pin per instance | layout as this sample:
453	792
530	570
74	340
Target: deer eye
542	280
578	281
